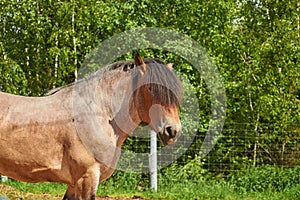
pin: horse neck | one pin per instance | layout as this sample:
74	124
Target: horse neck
115	102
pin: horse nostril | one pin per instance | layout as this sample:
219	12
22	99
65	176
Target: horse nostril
171	131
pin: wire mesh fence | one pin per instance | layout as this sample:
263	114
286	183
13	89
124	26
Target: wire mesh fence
239	146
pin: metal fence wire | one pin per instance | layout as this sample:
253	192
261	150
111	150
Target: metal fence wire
239	146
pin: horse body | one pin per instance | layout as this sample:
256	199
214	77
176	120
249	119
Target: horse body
53	139
42	145
35	146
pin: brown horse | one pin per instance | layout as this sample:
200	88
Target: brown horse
74	134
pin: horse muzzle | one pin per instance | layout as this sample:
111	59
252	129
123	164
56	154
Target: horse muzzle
169	135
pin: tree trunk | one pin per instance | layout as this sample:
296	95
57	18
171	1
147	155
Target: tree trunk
74	42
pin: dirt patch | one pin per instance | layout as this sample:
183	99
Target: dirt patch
119	198
13	194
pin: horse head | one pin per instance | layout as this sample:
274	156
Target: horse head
158	96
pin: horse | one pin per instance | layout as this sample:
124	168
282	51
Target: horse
73	135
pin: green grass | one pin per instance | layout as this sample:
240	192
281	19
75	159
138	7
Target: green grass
202	190
267	183
212	190
38	188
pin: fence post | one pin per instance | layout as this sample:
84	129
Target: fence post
153	160
3	178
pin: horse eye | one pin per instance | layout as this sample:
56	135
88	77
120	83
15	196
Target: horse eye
125	68
128	67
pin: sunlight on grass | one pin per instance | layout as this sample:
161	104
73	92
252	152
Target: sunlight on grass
241	186
12	193
31	191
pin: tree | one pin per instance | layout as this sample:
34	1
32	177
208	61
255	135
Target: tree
262	78
255	45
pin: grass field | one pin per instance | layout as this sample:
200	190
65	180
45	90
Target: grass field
266	183
186	190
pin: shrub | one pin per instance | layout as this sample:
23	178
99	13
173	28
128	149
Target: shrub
265	178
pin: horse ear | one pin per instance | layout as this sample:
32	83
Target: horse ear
139	62
170	66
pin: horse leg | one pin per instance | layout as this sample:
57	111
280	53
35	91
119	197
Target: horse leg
70	193
81	192
86	186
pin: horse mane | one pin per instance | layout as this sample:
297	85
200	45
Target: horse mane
162	81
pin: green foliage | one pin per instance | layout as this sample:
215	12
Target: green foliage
265	178
123	183
267	183
254	44
192	171
14	81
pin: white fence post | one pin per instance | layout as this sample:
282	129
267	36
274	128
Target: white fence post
153	160
4	178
